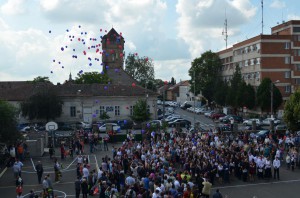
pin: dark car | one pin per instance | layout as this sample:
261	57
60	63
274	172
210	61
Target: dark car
223	127
227	119
217	115
249	128
182	123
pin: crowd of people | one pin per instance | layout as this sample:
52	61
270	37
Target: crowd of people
186	164
174	164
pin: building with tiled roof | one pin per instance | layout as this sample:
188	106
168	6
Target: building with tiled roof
85	102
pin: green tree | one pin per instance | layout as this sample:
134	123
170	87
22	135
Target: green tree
141	69
41	79
263	95
92	77
8	130
235	84
245	96
204	71
221	89
140	111
44	104
173	82
291	114
104	116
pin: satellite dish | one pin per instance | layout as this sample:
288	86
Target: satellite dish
51	126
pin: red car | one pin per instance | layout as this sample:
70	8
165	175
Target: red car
217	115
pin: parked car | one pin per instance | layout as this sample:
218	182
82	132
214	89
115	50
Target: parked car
156	123
262	134
83	125
115	127
216	116
249	127
209	113
267	121
182	122
281	127
171	117
250	121
227	119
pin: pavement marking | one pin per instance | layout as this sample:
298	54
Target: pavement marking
263	183
38	185
33	164
64	195
72	162
96	163
2	173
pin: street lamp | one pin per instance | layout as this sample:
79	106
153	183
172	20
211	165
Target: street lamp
272	93
194	101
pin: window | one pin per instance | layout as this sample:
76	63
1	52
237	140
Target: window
297	67
297	81
296	52
287	45
246	63
73	111
101	110
287	60
287	74
296	29
258	61
117	110
287	89
148	109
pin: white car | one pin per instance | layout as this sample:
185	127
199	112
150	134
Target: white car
267	121
116	127
249	122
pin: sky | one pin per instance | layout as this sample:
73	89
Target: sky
172	33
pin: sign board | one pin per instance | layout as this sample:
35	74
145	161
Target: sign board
51	126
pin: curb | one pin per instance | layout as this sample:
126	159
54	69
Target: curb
2	173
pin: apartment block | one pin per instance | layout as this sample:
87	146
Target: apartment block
276	56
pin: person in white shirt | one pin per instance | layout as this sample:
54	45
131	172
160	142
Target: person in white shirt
276	165
85	172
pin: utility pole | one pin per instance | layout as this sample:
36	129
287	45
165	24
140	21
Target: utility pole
225	30
262	17
194	100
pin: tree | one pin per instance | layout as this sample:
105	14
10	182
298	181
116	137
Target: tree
44	104
92	77
291	114
235	84
41	79
263	95
104	116
221	89
8	130
140	111
245	96
141	69
173	82
204	72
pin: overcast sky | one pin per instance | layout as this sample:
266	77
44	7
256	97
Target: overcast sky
170	32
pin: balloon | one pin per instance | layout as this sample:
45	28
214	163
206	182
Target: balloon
51	72
133	84
106	67
125	121
94	115
136	54
116	70
79	26
49	31
81	32
143	131
53	60
166	82
85	33
84	52
59	62
90	64
146	59
105	87
62	49
67	30
73	50
127	107
148	125
97	101
66	46
78	39
62	67
100	30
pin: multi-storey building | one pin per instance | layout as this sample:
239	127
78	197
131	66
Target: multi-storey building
276	56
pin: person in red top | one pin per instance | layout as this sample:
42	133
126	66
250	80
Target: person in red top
62	151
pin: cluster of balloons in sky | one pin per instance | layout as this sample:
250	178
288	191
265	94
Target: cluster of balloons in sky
86	48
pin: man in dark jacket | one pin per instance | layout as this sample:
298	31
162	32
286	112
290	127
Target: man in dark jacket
39	170
84	188
217	194
77	187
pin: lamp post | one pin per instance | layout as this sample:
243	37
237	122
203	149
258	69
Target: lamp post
272	97
194	101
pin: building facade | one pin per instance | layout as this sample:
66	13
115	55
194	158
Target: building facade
276	56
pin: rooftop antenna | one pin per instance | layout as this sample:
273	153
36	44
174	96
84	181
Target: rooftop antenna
262	17
225	30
